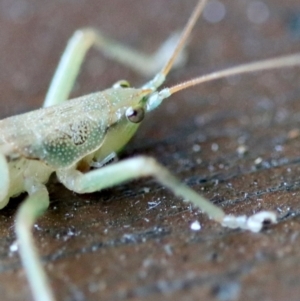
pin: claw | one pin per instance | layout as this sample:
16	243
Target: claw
254	223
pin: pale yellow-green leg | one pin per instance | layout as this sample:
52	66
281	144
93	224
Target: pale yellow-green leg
34	205
143	167
79	44
134	168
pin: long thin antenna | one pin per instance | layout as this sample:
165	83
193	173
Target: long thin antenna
275	63
160	77
184	36
280	62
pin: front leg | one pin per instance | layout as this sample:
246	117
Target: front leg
142	166
34	205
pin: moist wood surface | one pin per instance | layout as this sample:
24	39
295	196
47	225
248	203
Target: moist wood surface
134	241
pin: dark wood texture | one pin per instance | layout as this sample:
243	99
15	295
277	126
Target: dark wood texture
134	242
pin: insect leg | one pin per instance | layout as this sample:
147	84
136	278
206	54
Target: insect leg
143	166
34	205
79	44
134	168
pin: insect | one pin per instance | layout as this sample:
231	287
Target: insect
36	144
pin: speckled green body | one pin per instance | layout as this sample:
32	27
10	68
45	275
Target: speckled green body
74	133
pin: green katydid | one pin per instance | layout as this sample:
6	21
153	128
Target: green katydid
36	144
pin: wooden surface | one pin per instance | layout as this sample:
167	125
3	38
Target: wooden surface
134	241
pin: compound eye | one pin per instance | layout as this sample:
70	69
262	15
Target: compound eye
122	84
135	115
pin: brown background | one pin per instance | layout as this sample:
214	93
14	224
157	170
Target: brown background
123	243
